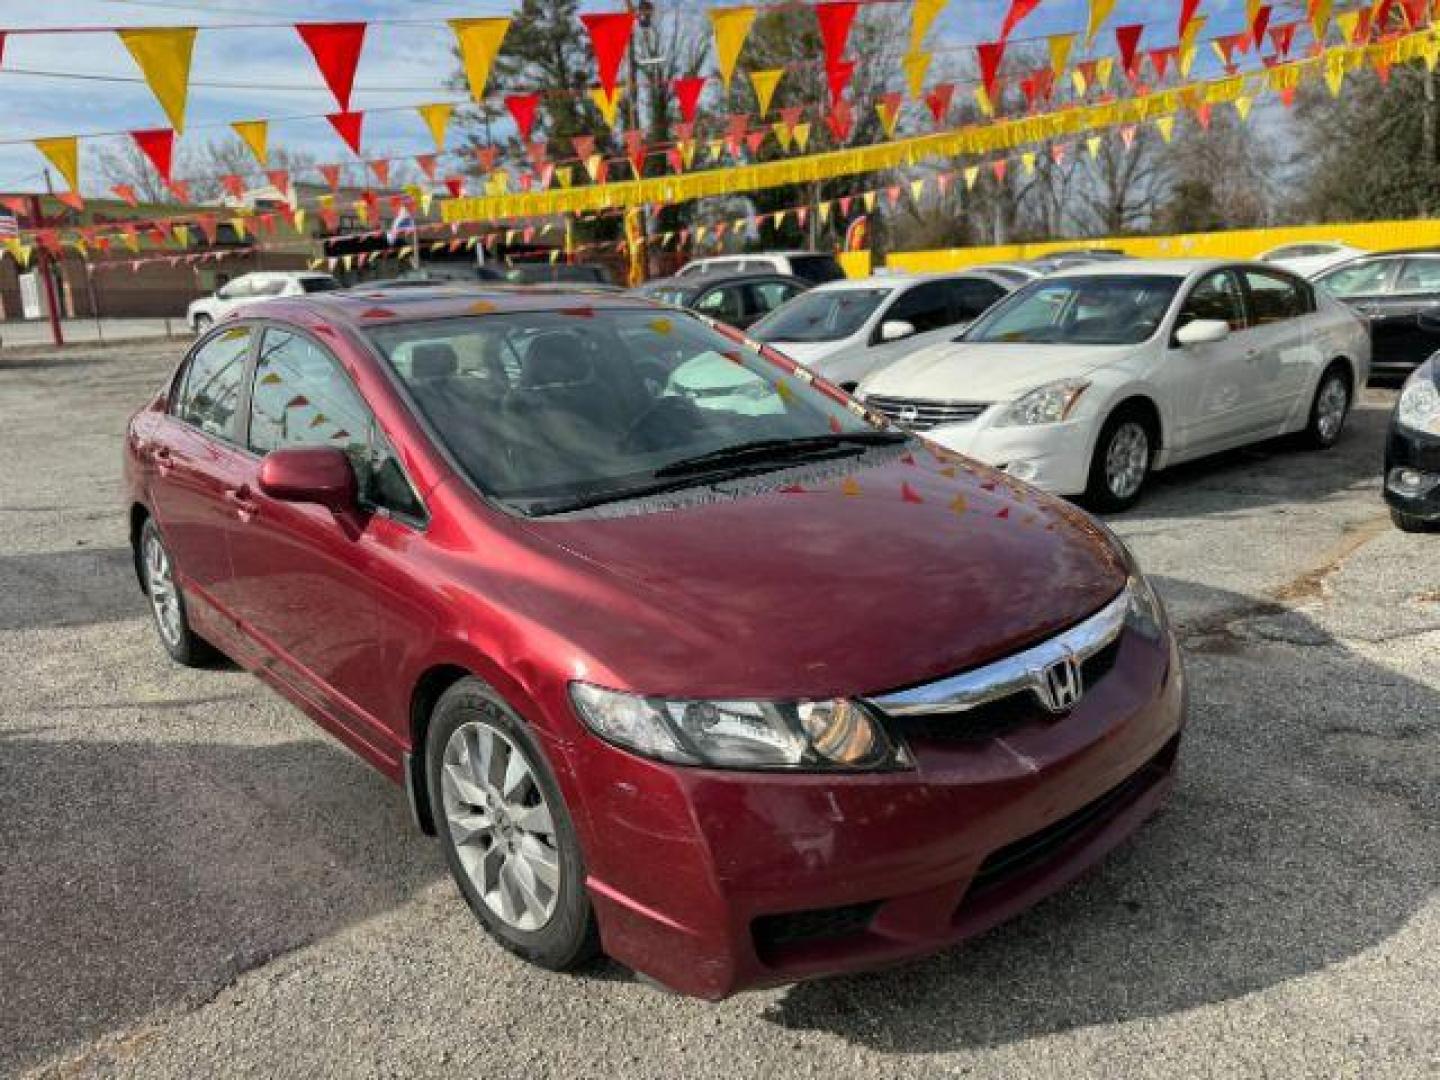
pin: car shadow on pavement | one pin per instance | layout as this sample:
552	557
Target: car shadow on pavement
145	875
1273	472
1302	833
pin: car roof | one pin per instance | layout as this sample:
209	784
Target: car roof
1143	268
367	307
693	283
903	279
1392	254
794	253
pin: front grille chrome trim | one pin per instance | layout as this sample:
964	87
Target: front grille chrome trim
922	414
1014	674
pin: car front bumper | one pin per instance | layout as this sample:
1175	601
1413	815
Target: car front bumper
1412	472
712	882
1052	457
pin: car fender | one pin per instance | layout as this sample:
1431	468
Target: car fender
1111	387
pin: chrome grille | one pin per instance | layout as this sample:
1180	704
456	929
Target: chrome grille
927	413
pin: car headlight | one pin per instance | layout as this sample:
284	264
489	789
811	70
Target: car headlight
1146	615
1419	408
816	736
1048	404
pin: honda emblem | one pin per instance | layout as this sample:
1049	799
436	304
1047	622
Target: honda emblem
1061	685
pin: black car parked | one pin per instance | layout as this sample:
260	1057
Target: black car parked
735	299
1412	451
1398	293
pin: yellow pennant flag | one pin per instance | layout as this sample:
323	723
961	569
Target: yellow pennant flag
916	66
20	251
256	135
64	154
362	211
163	54
1186	61
437	119
479	41
297	219
1060	45
917	188
1431	53
1099	12
1319	22
609	105
1335	73
824	210
1348	21
731	26
1166	126
888	114
1093	144
982	99
1027	159
1242	107
764	84
563	175
782	134
1192	31
972	173
182	235
920	20
238	224
131	239
1104	69
869	199
1077	77
801	133
592	166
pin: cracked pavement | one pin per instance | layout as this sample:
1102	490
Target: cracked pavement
196	881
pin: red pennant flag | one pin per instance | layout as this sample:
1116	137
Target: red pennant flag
754	141
331	218
1128	39
675	160
158	145
584	146
1257	28
535	150
938	100
331	173
71	199
455	185
381	169
845	201
181	189
279	179
1202	114
687	92
835	18
209	226
1287	96
336	48
609	35
838	76
1021	8
893	194
125	192
1415	12
909	494
522	107
267	222
1283	38
348	125
486	156
635	151
998	167
1187	15
840	120
990	54
426	162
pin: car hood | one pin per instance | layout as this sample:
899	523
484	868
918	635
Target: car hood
957	370
853	577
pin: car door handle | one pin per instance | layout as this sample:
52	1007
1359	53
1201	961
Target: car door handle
245	507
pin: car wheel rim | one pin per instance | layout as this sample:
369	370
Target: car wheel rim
1330	409
501	826
160	584
1126	460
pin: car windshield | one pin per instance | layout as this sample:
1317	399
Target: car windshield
554	411
1114	309
319	284
821	315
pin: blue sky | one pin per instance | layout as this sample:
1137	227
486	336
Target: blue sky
401	65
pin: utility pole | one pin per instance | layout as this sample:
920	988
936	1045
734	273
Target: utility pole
641	259
47	278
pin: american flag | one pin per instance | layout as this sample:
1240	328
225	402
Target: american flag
9	229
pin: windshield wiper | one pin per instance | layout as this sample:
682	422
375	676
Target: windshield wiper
749	453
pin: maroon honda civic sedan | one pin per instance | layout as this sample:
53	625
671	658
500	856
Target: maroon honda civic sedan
681	654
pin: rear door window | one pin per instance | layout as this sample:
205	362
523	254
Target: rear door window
208	392
725	303
1359	279
766	296
1215	297
1419	276
817	269
1274	298
971	297
925	307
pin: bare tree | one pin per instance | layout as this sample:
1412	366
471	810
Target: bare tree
1124	184
121	162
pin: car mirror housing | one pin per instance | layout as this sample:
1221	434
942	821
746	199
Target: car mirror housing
310	474
895	329
1203	332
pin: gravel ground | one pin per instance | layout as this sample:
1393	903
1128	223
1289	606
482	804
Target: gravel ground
196	882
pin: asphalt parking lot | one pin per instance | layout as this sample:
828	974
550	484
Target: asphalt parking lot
195	881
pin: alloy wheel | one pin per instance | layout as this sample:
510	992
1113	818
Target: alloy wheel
1126	459
1330	408
164	598
501	825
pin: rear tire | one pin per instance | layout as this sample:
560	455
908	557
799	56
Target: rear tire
507	835
167	601
1122	459
1329	408
1411	524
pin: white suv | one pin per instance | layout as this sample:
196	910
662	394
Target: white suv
813	266
248	288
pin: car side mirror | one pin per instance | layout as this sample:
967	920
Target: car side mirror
223	293
895	329
1202	332
310	474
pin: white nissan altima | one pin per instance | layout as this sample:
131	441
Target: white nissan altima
1084	382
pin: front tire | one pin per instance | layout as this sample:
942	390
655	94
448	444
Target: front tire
1411	524
507	836
167	602
1329	408
1122	459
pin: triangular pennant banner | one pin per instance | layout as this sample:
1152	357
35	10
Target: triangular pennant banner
687	92
158	145
836	17
916	66
1019	9
348	126
437	120
479	41
609	35
256	135
64	154
764	84
336	48
608	104
522	107
922	15
731	26
1099	11
990	54
163	54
